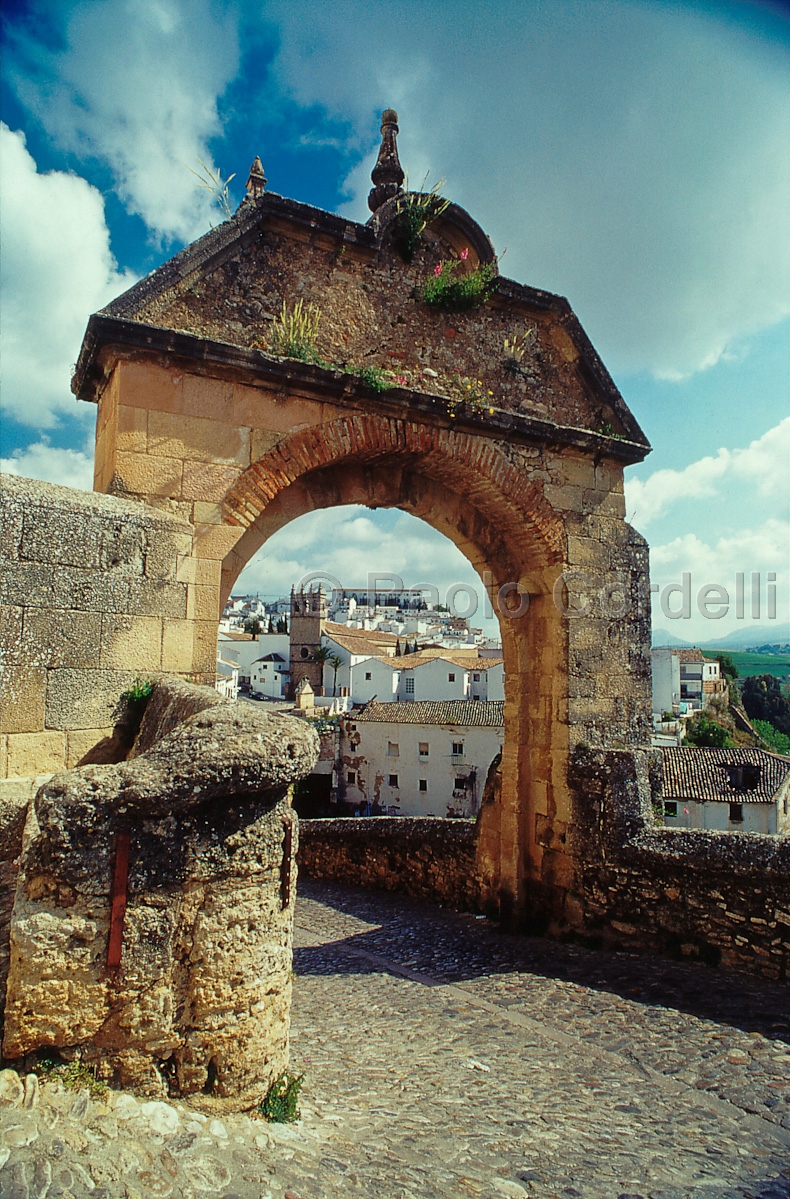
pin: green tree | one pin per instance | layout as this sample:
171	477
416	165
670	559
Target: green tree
252	625
763	700
727	666
701	730
778	742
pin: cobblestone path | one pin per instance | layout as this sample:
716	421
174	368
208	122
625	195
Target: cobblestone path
444	1060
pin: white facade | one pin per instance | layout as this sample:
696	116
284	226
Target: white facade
734	816
270	676
405	768
242	652
681	683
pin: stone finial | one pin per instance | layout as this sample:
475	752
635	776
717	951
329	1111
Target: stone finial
387	174
256	184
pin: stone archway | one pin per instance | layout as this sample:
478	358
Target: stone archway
199	417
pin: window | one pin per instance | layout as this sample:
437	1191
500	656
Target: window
423	785
736	813
460	784
451	678
368	676
410	686
476	678
392	780
458	749
393	749
351	777
424	752
305	652
670	807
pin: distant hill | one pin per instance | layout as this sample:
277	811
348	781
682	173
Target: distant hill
748	637
752	637
664	637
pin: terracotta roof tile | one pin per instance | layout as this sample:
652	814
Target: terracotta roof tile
699	773
472	713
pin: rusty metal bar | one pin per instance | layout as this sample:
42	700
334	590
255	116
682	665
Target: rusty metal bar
118	900
285	865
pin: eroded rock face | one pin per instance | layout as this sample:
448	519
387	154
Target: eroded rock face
200	1001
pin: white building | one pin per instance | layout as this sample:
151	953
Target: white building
270	675
241	650
684	680
735	790
419	759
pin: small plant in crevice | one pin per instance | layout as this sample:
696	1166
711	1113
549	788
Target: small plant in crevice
293	334
413	214
139	693
453	289
606	430
515	348
376	378
281	1105
74	1076
212	181
472	394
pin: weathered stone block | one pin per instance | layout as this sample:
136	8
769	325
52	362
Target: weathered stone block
84	699
144	475
58	638
131	643
177	636
203	603
195	438
148	385
264	440
10	633
132	431
206	482
35	753
80	742
208	398
22	692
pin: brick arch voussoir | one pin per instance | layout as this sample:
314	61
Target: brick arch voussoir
366	437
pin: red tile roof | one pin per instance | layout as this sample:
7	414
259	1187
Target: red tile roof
699	773
467	712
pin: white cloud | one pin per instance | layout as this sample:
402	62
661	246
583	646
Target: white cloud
348	544
763	464
57	269
762	550
632	156
136	86
70	468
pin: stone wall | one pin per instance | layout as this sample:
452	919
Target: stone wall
419	856
94	592
717	896
722	898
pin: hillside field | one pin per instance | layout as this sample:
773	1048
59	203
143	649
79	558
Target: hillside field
752	663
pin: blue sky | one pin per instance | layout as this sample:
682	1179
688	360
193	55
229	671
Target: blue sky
634	157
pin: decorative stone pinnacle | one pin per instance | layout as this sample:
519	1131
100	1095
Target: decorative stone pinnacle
256	184
387	174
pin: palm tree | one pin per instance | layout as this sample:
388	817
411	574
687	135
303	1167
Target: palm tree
335	662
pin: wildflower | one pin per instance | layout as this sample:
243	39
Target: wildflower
490	392
464	255
491	410
437	270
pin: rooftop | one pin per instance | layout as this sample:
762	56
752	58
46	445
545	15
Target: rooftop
701	773
471	713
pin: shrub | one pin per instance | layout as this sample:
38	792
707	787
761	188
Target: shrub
281	1103
454	290
414	213
376	378
74	1076
701	730
778	742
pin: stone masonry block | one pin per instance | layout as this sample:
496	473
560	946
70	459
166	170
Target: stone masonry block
10	633
146	385
177	637
203	603
80	741
143	475
58	638
149	597
85	699
22	694
195	438
3	755
131	642
35	753
209	398
263	440
207	482
132	435
11	524
216	541
163	555
207	514
204	654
